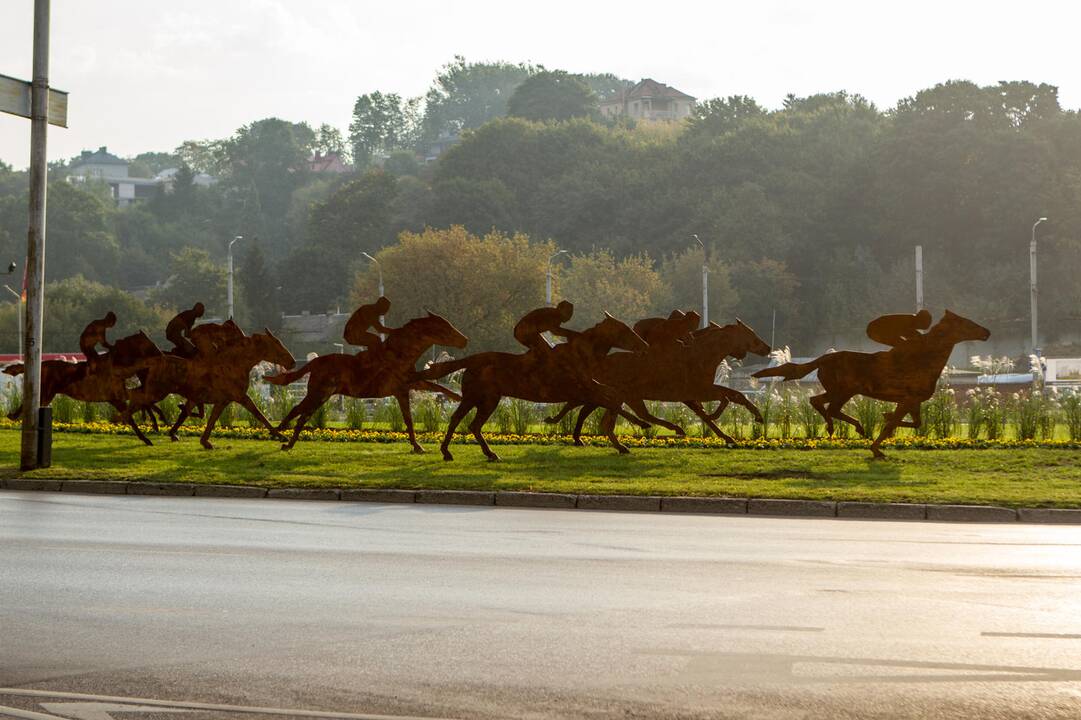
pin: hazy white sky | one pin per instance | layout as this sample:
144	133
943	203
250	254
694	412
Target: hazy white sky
148	74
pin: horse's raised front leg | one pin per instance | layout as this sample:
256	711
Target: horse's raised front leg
727	395
818	402
248	404
180	418
642	411
586	411
215	413
407	416
836	409
430	386
567	407
128	414
697	409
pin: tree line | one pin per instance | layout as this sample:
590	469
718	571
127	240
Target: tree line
807	214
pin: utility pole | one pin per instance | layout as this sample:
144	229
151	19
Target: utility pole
1032	283
229	286
705	283
35	241
548	277
919	278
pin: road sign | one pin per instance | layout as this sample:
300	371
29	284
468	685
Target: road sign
15	99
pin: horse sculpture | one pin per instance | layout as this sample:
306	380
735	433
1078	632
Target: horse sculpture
129	357
388	372
906	375
676	373
216	380
561	374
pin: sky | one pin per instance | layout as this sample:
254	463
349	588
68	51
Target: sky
148	74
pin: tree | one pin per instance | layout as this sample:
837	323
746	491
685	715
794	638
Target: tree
552	95
194	277
73	302
258	290
328	140
597	282
467	95
682	277
382	122
481	284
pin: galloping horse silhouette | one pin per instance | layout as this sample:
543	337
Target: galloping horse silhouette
676	373
389	372
905	375
217	380
128	357
562	374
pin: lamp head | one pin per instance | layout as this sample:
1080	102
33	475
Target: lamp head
11	267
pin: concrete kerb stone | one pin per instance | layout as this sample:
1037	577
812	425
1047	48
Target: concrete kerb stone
95	487
32	484
172	489
305	493
1049	515
625	503
456	497
881	511
536	500
705	505
971	513
230	491
792	508
379	495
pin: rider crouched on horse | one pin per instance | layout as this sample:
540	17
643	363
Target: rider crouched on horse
365	319
92	336
896	330
178	331
667	332
531	328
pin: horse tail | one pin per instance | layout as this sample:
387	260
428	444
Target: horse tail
790	370
289	377
14	370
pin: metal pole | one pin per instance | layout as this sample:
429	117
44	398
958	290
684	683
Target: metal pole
35	240
229	282
773	331
548	277
919	278
1032	281
705	282
379	269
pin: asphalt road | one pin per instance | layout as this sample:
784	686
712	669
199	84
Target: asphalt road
437	611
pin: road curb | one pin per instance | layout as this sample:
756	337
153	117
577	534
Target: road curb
775	507
971	513
792	508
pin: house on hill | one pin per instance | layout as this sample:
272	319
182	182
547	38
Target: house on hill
332	162
648	100
103	166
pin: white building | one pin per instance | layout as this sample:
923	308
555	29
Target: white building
648	100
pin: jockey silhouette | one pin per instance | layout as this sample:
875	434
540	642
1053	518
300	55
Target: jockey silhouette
178	331
677	327
531	328
894	330
363	319
93	334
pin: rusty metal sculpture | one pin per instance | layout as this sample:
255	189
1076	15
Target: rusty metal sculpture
388	371
216	376
905	375
101	379
544	374
678	366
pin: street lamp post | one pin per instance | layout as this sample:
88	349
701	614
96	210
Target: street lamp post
229	286
379	268
548	277
705	283
1032	281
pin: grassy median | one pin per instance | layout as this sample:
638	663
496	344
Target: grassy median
1014	477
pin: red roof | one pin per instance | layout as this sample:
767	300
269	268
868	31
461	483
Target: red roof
647	89
70	357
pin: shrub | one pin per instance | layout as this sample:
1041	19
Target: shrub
64	409
355	412
389	414
1070	402
429	413
870	413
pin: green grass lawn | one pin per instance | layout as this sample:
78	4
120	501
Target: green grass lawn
1025	477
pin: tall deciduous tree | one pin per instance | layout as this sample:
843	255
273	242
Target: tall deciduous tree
467	95
598	282
552	95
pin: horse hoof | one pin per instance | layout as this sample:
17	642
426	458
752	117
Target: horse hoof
550	420
877	454
418	451
493	458
623	451
447	457
286	446
680	432
207	446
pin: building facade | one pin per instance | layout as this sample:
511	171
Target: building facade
648	100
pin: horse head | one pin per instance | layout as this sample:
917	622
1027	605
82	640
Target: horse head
748	341
442	332
272	350
957	329
131	349
616	334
